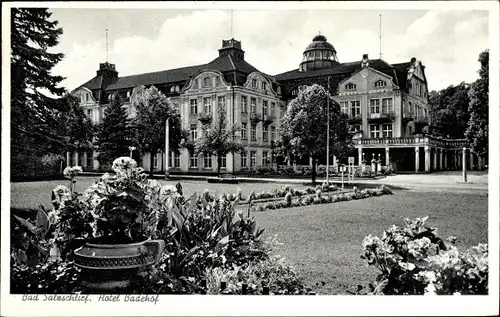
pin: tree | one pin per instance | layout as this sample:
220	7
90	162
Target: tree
218	139
153	109
33	113
75	126
477	128
449	110
113	134
303	128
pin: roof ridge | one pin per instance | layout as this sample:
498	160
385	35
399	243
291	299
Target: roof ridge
161	71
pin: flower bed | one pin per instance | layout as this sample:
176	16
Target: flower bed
413	260
202	235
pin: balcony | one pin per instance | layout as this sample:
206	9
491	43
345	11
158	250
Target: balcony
268	118
381	117
408	116
352	119
204	117
255	117
417	140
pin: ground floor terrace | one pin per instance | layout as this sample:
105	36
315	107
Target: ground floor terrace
423	153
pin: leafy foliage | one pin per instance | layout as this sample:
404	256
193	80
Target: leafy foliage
477	128
32	110
77	129
449	110
218	139
113	133
413	260
302	128
153	110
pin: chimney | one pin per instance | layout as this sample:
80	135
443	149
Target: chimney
364	61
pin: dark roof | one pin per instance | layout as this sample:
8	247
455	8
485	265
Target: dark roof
161	77
225	63
396	71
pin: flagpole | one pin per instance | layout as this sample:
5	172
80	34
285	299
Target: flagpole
167	146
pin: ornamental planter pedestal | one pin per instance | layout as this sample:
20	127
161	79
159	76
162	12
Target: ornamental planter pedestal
106	267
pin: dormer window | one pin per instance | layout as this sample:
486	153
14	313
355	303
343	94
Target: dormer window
350	86
128	93
177	88
254	83
218	81
172	88
111	97
264	85
206	82
380	84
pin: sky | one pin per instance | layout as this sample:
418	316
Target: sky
447	42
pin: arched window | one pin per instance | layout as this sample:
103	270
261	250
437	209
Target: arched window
177	88
380	83
350	86
206	82
111	96
172	88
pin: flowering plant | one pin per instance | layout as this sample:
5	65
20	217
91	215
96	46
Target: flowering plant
412	259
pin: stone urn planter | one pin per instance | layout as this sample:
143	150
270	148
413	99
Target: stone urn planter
107	267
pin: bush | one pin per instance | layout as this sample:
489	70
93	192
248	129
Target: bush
413	260
25	167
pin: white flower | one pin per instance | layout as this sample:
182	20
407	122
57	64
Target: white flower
123	164
407	266
72	171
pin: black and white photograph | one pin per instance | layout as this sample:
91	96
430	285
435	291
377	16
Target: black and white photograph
317	156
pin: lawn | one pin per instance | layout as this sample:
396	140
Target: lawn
323	242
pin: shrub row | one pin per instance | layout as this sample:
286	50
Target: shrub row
317	199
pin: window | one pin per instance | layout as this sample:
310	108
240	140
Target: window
128	93
155	161
410	128
207	161
273	108
87	97
221	101
177	160
244	131
193	160
350	86
264	85
374	133
89	113
244	104
374	105
386	105
207	105
206	82
90	159
380	84
194	132
343	107
387	130
172	89
253	158
177	88
194	106
253	105
265	133
355	108
218	81
254	83
273	132
264	158
223	162
264	106
253	133
244	159
197	84
82	98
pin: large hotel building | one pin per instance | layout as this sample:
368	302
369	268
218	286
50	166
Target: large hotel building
387	104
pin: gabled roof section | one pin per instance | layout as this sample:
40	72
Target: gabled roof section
401	70
93	84
227	63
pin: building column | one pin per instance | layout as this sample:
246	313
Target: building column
67	158
85	159
310	162
456	163
480	162
417	159
471	163
427	158
441	159
435	161
76	158
96	162
360	156
387	158
445	162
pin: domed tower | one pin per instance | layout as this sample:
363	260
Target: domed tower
319	55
